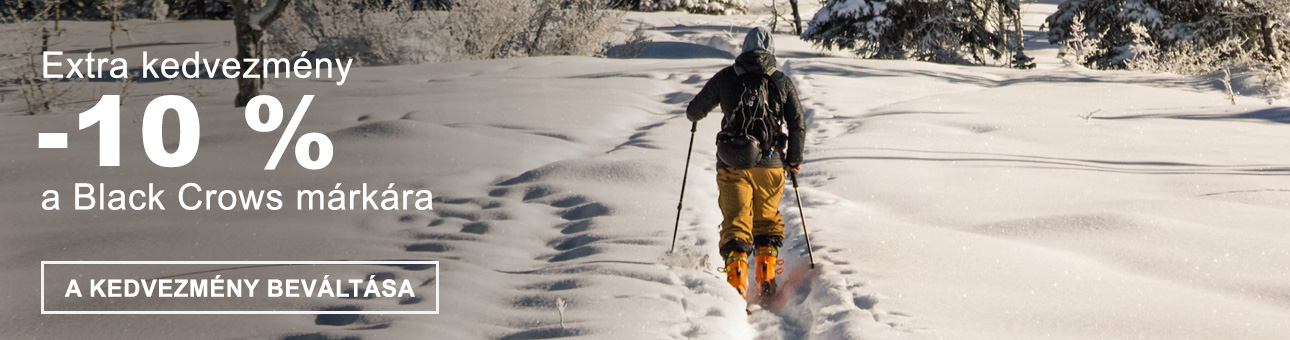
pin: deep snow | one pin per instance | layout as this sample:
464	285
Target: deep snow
945	202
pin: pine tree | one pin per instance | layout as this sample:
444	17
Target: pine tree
201	9
1118	32
945	31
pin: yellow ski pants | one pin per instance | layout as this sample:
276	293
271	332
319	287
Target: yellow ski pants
749	201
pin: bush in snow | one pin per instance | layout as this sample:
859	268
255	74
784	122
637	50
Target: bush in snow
26	36
634	46
1181	36
51	9
490	29
717	7
373	33
945	31
86	9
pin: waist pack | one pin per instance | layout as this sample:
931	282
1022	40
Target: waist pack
740	151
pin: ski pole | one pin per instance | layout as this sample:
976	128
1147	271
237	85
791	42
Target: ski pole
677	227
809	252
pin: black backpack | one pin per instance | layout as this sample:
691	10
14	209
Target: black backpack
754	129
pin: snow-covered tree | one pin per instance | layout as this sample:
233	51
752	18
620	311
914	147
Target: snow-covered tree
1180	36
370	32
249	21
122	9
491	29
158	10
201	9
945	31
1117	32
718	7
112	9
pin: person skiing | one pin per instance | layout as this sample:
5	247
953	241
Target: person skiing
753	152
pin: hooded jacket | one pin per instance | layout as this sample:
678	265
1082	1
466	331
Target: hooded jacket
725	88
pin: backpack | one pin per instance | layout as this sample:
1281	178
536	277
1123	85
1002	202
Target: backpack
754	129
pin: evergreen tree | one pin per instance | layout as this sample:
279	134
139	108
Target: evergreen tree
1113	34
945	31
201	9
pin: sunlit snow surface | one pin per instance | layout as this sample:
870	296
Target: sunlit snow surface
944	202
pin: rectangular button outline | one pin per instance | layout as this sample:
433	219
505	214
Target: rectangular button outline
267	312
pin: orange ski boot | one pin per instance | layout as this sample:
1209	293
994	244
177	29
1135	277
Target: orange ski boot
767	259
737	271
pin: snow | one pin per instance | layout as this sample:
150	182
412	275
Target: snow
944	202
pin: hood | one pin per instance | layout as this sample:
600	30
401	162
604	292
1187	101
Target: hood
758	53
758	39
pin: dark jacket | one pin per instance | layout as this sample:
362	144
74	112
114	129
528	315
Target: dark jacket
724	89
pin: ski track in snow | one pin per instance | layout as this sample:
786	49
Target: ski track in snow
918	191
827	302
583	254
538	209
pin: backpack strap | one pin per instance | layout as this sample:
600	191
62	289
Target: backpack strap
776	84
768	126
778	79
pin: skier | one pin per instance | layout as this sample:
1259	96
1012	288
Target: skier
753	153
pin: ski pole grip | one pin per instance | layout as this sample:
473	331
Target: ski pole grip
694	126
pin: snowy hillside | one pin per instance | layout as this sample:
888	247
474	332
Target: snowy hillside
944	202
